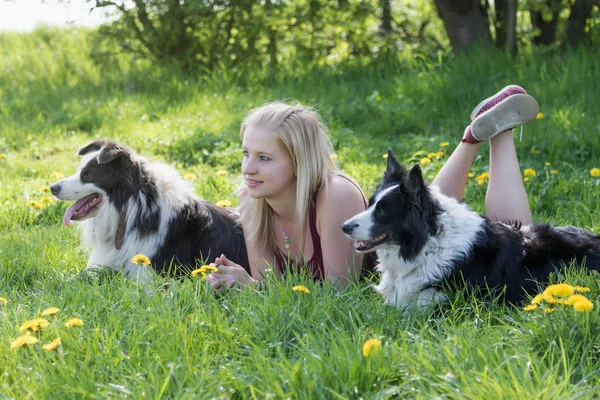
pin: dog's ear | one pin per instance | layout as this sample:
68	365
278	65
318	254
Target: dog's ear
94	145
394	169
110	152
415	181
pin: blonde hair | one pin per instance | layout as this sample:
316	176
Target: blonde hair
304	136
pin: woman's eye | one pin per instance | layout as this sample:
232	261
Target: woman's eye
263	158
245	153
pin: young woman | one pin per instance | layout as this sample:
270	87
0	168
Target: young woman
294	201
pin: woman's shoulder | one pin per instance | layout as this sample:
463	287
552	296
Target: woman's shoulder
341	189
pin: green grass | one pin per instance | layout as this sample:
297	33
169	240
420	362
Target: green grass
174	339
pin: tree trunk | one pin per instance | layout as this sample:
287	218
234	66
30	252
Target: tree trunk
386	18
511	27
500	22
466	23
506	25
547	34
580	13
272	35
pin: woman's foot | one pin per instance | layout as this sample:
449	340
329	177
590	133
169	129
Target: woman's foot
506	110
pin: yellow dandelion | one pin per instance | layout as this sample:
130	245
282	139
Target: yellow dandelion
141	259
547	164
384	156
204	270
581	289
221	172
22	340
549	310
58	175
34	324
73	322
189	177
46	200
301	288
3	300
211	268
471	175
583	305
530	307
425	161
371	347
50	311
2	156
561	290
444	144
575	298
595	172
539	116
483	178
45	189
333	156
551	301
430	155
526	179
224	203
554	172
52	345
538	299
535	151
36	204
439	154
529	172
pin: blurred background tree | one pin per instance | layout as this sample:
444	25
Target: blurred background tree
280	36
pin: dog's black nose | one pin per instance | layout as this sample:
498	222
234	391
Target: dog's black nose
55	189
348	227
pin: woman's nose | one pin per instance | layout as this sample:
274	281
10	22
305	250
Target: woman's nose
248	166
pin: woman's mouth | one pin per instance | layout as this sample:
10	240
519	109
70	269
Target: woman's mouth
251	183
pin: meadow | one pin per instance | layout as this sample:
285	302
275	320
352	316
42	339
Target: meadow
175	339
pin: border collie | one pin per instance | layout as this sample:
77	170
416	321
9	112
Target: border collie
426	241
128	205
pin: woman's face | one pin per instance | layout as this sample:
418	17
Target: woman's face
267	168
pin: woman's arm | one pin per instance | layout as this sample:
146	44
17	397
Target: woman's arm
342	201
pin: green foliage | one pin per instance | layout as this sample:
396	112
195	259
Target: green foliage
274	36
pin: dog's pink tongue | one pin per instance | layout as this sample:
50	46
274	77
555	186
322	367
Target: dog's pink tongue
80	208
68	215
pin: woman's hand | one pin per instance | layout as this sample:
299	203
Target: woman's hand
229	274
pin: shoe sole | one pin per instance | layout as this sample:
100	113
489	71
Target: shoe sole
514	111
484	102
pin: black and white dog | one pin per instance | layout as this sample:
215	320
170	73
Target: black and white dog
426	241
128	206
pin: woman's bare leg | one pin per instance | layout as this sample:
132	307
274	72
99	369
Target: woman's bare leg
506	199
453	176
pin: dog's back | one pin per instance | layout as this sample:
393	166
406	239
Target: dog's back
200	232
520	258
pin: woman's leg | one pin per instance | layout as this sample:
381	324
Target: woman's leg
506	199
453	176
494	118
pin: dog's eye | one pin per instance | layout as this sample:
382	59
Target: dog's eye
85	175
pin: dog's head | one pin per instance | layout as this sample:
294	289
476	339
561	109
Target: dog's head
401	213
105	165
